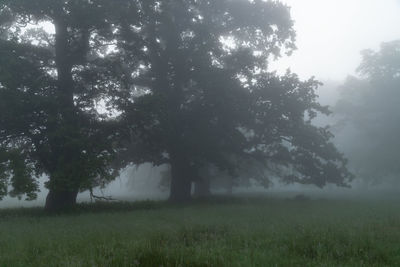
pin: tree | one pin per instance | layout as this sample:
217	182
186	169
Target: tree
50	84
187	82
208	99
369	112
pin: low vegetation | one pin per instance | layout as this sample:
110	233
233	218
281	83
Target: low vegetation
218	232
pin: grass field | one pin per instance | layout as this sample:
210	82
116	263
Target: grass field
221	232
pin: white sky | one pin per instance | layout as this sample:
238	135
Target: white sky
331	34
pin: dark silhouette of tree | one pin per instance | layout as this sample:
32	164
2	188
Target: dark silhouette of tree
186	83
208	98
369	111
49	86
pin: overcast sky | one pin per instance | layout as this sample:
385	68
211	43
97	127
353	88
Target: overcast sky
331	34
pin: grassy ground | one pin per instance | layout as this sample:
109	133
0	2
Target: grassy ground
235	232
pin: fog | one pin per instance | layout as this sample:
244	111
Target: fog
330	34
134	183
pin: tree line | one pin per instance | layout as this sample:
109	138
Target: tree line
184	83
368	116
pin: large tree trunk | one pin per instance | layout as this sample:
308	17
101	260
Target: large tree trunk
60	200
63	198
181	182
202	188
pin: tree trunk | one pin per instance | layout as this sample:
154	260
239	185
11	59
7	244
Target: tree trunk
202	188
60	200
181	183
63	198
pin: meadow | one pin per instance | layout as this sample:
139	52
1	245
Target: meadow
251	231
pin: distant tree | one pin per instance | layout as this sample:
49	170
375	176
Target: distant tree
370	114
208	99
50	85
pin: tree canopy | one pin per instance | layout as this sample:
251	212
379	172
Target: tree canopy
184	82
369	107
212	101
49	86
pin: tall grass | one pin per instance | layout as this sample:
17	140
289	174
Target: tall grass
232	232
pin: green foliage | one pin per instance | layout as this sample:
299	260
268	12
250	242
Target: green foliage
49	87
23	181
369	107
181	82
212	102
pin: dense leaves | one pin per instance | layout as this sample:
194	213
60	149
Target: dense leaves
179	82
48	94
211	101
370	110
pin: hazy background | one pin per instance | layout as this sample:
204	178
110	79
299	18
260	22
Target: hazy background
330	36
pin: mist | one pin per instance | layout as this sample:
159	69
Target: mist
199	133
330	36
135	183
